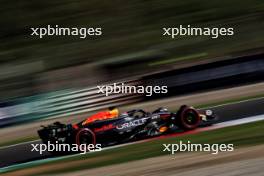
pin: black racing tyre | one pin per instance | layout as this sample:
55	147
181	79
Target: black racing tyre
188	118
85	136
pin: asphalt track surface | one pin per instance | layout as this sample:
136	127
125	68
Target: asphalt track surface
22	153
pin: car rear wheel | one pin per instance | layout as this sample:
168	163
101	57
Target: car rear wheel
85	136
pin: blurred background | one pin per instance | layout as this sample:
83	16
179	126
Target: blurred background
55	78
55	75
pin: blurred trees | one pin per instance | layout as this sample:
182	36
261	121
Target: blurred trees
128	27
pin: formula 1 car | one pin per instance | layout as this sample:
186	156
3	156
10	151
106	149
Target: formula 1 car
129	126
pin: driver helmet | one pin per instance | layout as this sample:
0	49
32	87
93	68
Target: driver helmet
114	111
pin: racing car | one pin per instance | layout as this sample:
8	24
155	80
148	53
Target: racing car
129	126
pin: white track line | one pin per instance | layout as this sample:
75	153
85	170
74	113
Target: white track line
235	102
241	121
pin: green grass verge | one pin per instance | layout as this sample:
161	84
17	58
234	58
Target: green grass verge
243	135
172	60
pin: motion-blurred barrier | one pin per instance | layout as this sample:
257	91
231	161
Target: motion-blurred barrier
64	103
